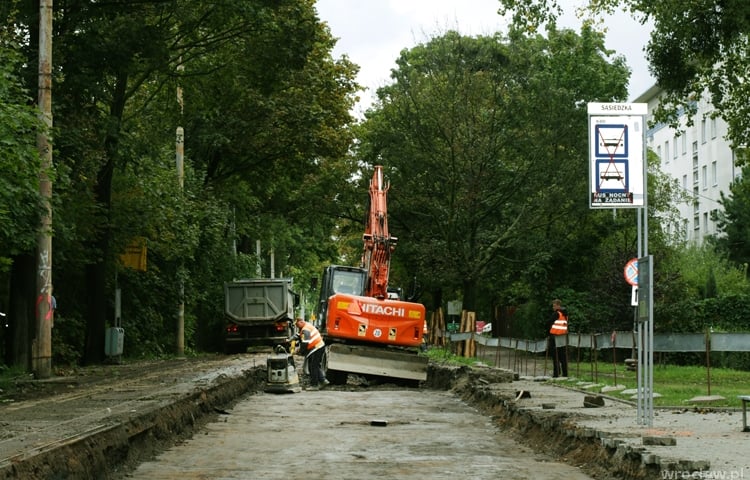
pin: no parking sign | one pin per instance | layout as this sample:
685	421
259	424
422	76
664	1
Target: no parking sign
631	272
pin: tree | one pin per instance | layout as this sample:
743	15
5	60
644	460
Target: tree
695	47
733	222
266	118
20	205
19	162
484	140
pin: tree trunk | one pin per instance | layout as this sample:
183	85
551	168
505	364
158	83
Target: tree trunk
96	276
96	273
470	295
20	312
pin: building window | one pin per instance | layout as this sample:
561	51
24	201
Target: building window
696	222
695	155
658	151
696	202
684	183
684	228
704	177
666	151
684	144
713	128
703	131
676	148
705	223
714	177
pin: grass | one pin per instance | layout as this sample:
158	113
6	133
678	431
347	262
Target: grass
444	356
677	385
9	376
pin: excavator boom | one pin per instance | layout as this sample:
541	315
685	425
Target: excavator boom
378	243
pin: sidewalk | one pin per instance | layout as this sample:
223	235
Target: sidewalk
680	443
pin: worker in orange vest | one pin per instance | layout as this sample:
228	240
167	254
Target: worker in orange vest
312	346
558	326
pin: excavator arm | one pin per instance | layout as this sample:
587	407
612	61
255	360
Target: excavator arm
378	243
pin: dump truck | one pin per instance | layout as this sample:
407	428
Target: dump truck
368	329
258	312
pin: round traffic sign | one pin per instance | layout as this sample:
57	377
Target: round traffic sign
631	272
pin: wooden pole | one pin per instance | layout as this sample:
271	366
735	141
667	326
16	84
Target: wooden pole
41	347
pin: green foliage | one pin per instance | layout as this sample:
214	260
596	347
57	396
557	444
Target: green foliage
701	270
20	206
9	376
266	121
733	222
444	356
67	339
470	158
487	197
730	313
694	47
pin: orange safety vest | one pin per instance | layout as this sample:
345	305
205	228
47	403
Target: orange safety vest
560	327
310	338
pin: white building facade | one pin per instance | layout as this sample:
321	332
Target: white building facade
699	157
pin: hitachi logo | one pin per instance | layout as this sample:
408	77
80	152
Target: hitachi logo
381	310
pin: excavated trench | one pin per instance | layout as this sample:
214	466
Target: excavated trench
549	431
116	450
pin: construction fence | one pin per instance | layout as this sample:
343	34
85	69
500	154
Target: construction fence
528	357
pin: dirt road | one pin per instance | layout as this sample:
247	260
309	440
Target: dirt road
362	434
103	422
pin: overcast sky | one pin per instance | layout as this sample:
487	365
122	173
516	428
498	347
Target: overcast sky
373	33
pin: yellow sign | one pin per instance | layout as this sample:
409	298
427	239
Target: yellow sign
415	314
135	254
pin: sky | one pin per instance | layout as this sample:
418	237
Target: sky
372	33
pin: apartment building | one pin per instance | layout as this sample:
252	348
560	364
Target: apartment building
699	157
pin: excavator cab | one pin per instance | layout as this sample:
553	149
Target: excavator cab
338	279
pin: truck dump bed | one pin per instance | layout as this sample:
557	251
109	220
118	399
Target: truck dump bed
258	312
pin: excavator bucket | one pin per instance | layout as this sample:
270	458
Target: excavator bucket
381	362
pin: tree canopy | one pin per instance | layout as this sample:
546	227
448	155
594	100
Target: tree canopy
20	205
266	120
695	47
484	139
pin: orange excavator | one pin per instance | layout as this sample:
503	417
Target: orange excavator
368	329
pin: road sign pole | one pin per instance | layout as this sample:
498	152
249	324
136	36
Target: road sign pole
617	148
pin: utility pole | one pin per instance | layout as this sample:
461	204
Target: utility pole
41	347
180	160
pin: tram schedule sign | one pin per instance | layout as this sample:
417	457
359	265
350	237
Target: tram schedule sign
617	152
